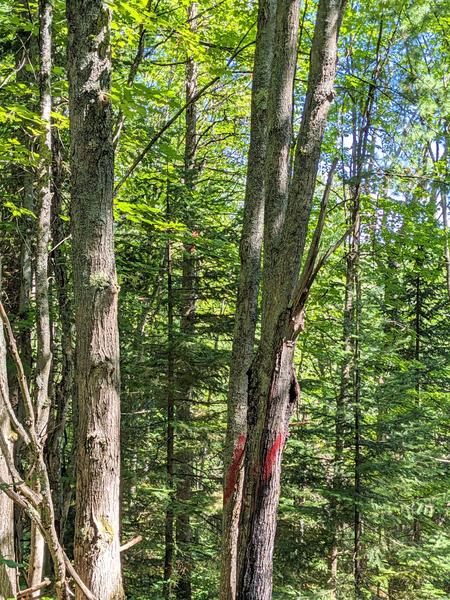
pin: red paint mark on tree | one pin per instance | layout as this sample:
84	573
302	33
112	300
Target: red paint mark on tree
233	470
272	456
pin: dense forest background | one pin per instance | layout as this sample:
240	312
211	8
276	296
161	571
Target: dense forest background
365	477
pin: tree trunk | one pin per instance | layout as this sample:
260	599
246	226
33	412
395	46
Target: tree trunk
97	555
43	236
273	389
247	300
63	388
169	527
184	454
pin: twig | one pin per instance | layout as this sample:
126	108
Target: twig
310	269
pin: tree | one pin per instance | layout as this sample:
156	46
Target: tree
273	388
97	553
43	236
368	437
247	301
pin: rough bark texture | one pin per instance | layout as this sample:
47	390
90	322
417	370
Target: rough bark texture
247	300
43	236
63	386
273	388
97	555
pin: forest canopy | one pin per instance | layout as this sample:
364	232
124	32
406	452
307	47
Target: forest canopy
224	299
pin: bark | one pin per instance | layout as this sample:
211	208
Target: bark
247	300
184	455
273	389
43	236
63	387
97	554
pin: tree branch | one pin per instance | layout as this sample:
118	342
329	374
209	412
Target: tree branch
179	112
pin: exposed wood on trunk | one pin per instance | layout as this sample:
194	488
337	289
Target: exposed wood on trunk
97	546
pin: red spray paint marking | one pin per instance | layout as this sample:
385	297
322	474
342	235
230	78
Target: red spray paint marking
233	470
272	456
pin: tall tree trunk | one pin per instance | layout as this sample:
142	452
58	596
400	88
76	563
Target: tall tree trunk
184	453
43	236
63	388
358	519
8	575
170	517
97	553
349	392
247	300
273	389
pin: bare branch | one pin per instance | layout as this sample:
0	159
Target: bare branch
21	377
304	283
39	586
134	540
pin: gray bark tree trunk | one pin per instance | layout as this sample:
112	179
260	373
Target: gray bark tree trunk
273	389
43	236
63	387
97	553
247	300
